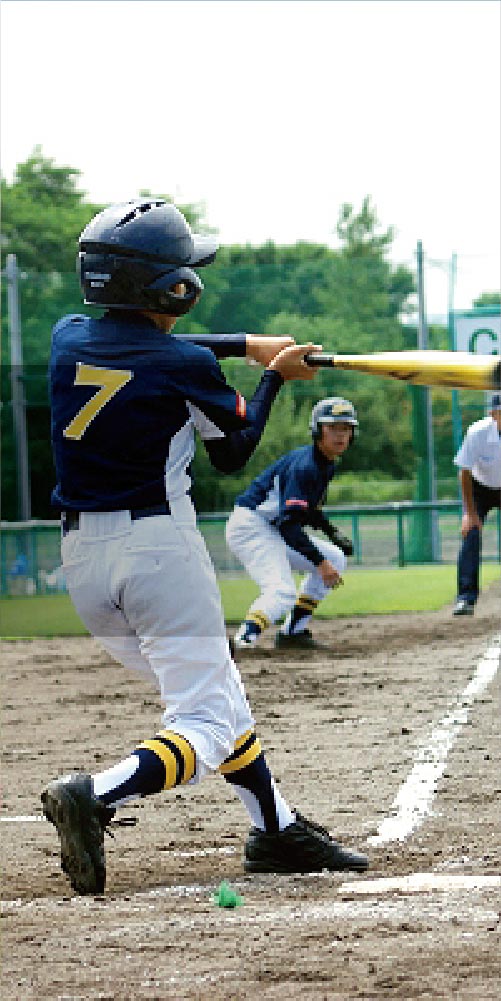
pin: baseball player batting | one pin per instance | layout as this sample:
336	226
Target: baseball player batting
266	531
126	399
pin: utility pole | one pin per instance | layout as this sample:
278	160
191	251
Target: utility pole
423	429
17	387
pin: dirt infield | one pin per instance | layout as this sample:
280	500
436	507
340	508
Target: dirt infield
342	731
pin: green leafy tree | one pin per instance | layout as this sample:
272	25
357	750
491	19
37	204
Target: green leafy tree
263	281
363	290
44	212
488	299
348	299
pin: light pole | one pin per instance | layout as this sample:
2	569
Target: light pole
426	478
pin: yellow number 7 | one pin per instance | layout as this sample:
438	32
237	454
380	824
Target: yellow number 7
111	381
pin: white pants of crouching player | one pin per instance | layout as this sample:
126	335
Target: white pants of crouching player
147	591
271	563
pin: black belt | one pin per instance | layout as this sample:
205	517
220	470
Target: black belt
70	520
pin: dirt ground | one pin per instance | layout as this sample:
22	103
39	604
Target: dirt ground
341	730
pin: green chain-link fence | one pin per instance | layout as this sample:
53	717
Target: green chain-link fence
383	535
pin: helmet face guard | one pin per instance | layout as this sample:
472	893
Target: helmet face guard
334	410
133	255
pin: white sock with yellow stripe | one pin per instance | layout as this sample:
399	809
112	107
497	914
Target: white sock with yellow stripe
165	761
251	628
298	618
246	770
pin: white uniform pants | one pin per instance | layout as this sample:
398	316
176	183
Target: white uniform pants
271	563
147	591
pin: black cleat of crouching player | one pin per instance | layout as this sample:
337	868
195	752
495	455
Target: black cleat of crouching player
297	641
301	847
80	820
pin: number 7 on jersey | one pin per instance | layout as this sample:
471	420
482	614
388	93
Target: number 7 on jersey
111	381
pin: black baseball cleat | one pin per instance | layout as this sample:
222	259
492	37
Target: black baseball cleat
296	641
464	607
80	820
301	847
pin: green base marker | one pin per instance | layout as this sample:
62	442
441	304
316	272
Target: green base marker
226	897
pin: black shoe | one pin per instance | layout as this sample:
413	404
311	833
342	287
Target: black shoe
301	847
296	641
464	607
80	820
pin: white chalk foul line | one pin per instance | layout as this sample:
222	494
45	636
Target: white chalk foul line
21	820
144	915
422	882
414	799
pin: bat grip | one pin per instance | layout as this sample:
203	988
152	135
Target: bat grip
319	359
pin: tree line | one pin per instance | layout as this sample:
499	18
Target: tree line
350	299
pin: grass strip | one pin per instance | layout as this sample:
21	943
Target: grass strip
365	592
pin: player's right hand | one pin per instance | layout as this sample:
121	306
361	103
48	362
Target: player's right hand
290	362
329	574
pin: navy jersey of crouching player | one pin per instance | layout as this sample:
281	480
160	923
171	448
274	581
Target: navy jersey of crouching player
267	530
126	398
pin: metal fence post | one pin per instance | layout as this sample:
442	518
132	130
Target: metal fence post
400	537
3	564
34	557
356	536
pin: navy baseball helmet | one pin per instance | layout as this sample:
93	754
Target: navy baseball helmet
132	255
334	410
495	402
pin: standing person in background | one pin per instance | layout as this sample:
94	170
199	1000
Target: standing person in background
479	460
266	531
126	399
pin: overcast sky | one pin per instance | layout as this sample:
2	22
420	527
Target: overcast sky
273	113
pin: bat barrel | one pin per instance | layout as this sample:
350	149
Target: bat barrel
452	369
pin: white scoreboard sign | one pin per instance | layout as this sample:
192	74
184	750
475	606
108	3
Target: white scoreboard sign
478	333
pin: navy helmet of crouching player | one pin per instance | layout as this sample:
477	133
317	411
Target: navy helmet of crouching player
334	410
139	255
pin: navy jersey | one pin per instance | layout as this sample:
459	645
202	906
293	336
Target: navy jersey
125	401
289	494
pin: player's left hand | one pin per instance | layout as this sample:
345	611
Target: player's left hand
329	574
290	362
264	349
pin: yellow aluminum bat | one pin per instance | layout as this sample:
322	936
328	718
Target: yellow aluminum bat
454	369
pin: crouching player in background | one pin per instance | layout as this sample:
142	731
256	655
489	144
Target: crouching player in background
266	531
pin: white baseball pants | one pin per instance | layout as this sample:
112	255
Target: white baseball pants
147	591
271	563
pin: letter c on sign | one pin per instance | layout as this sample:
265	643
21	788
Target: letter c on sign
483	332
